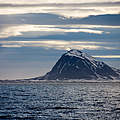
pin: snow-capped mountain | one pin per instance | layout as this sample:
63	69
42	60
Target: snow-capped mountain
75	64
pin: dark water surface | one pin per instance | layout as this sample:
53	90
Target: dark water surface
68	101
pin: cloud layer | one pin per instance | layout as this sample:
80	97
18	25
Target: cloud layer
107	56
59	44
78	8
19	30
54	1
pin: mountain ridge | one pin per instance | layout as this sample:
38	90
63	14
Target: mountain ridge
75	64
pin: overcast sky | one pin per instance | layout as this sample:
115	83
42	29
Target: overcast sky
35	33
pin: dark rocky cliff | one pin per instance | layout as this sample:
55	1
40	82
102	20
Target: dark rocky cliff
75	64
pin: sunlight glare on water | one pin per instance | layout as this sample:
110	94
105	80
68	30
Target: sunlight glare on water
83	101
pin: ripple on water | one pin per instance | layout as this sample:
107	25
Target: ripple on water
83	101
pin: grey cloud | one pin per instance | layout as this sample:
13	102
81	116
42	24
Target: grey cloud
107	4
72	9
107	19
36	18
52	19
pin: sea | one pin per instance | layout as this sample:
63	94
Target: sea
60	101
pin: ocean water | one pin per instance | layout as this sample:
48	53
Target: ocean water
63	101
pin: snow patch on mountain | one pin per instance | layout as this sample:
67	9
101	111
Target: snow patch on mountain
89	61
75	64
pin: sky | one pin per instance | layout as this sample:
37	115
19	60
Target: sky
35	33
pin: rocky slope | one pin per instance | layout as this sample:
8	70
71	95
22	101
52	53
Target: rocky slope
75	64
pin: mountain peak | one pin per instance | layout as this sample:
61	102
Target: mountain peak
74	52
75	64
79	54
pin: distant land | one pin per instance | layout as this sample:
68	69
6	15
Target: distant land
76	66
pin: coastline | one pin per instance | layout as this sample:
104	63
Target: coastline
56	81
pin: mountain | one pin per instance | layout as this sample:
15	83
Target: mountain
75	64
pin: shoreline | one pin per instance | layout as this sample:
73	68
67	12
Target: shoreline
56	81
